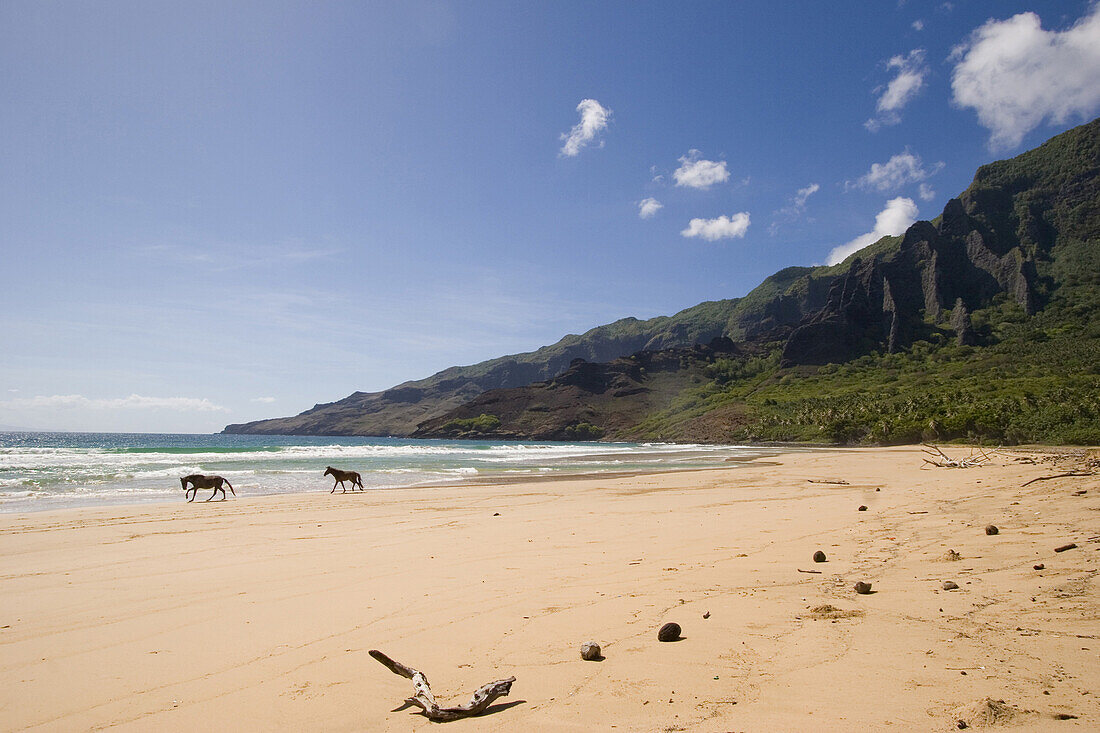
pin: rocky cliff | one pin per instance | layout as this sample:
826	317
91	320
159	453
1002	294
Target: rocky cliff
1026	232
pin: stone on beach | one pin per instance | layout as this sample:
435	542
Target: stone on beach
950	585
590	651
669	632
819	556
991	529
863	588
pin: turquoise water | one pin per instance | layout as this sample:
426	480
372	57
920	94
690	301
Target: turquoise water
55	470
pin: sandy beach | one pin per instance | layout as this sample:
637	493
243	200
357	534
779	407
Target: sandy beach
258	614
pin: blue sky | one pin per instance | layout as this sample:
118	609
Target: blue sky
217	212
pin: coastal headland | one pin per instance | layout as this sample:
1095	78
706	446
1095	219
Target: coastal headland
259	613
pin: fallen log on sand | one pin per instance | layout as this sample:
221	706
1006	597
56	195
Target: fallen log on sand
425	700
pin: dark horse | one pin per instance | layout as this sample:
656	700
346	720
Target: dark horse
341	476
198	481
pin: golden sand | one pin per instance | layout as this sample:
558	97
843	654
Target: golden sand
257	614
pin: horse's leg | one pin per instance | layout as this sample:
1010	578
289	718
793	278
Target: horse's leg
343	488
192	492
333	489
213	494
223	495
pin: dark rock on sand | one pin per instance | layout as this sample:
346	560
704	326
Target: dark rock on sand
590	651
669	632
862	508
863	588
991	529
950	585
819	556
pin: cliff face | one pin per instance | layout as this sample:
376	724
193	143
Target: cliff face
1026	231
886	303
589	400
996	240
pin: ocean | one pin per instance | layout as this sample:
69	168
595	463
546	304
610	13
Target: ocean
56	470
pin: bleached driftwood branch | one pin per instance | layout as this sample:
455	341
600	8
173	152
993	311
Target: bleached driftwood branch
942	460
425	700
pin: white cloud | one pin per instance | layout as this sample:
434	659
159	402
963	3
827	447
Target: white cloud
899	215
918	25
594	117
1014	74
262	399
694	172
724	227
795	209
648	208
133	402
909	80
901	170
927	192
805	193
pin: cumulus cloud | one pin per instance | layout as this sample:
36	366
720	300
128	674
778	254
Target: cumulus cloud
648	208
918	25
905	85
901	170
594	117
1015	75
263	399
899	215
724	227
695	172
133	402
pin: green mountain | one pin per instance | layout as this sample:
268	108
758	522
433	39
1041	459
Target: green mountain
780	300
981	324
398	410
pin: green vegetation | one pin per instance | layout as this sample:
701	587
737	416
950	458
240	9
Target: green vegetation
483	423
1035	380
583	431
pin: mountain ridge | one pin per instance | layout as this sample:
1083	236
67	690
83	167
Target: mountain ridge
1021	231
980	324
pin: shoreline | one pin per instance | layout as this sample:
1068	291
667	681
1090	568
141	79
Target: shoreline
258	614
473	480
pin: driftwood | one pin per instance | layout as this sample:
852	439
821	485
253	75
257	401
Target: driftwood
815	572
942	460
1060	475
425	700
840	482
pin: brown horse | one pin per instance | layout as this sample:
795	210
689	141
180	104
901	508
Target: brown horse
198	481
341	476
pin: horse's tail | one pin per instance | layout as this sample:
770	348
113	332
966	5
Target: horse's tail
359	480
230	486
